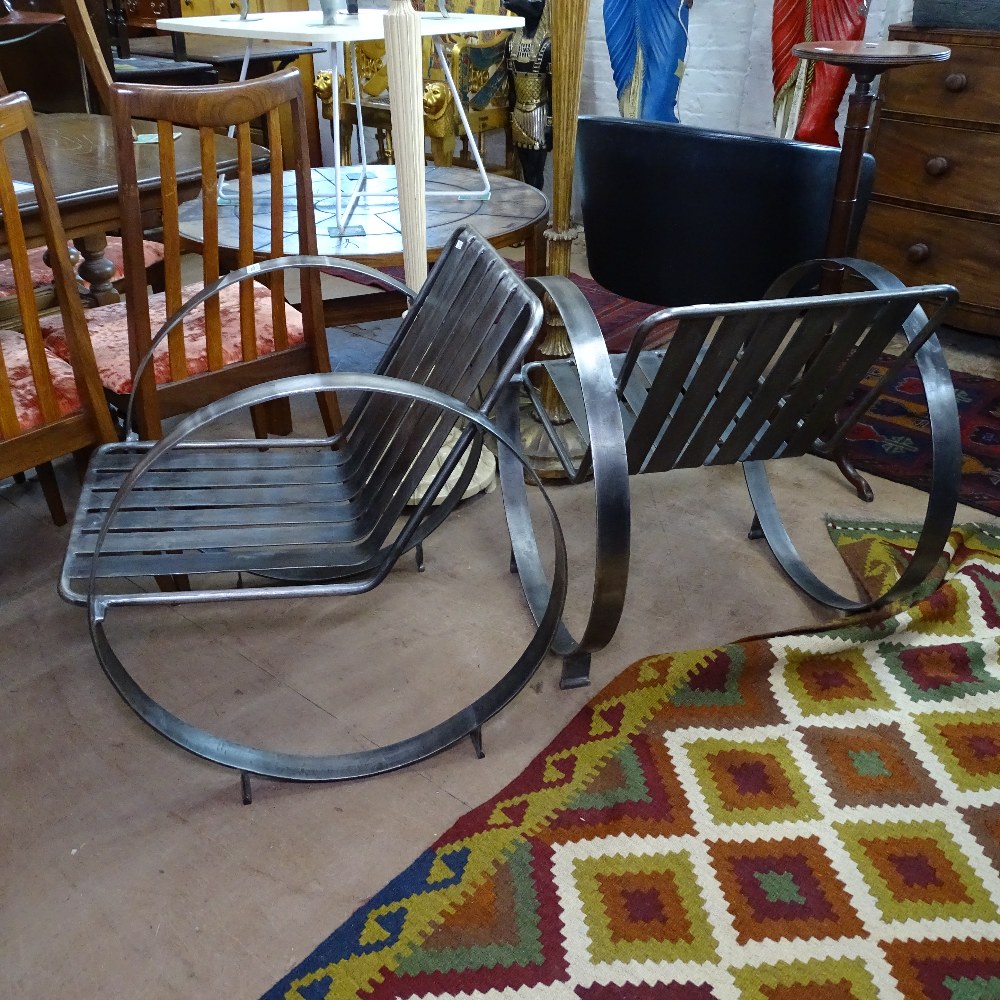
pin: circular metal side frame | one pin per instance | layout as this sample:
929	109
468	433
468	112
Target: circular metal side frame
308	767
607	459
946	452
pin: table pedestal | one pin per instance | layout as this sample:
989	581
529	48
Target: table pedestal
865	61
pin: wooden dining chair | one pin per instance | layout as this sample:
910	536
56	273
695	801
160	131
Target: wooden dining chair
242	335
48	406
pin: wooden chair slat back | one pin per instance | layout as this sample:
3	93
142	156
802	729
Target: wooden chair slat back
211	112
17	124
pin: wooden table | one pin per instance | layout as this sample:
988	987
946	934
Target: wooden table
515	213
224	53
80	154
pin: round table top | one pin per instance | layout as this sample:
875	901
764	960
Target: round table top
871	55
505	218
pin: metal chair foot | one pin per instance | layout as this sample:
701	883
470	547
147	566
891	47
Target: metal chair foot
418	553
575	671
477	742
246	789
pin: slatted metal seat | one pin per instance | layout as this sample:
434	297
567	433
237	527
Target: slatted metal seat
315	516
738	383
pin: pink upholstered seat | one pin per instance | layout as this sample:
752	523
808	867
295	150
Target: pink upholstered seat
41	273
109	335
22	385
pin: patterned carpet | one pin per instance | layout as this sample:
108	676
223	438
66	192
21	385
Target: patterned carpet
893	440
814	816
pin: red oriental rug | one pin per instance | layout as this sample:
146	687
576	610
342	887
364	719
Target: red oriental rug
812	816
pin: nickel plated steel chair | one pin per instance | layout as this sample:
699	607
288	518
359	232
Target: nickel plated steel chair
317	517
737	383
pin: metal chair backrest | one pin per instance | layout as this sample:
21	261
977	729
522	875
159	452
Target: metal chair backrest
676	215
210	110
466	333
53	431
761	380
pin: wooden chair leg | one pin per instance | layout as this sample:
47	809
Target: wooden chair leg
261	425
279	417
50	490
81	458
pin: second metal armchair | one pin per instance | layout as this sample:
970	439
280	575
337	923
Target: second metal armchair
737	383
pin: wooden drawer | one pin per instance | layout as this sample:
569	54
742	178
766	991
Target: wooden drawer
925	248
964	88
937	166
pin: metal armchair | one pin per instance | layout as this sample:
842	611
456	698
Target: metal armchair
737	383
238	520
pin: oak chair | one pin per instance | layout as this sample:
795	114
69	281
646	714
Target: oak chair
48	406
245	334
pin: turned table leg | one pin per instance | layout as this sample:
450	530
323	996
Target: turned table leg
95	270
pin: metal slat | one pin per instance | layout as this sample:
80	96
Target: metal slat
811	329
182	517
845	379
566	379
673	373
826	358
227	561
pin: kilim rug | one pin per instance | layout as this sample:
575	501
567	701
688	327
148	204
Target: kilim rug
814	816
893	439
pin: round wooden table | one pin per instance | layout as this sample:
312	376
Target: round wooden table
514	213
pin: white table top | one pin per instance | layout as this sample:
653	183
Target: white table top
307	25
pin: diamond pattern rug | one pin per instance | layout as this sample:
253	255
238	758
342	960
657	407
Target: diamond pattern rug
812	816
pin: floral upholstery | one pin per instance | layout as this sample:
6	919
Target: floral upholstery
41	273
109	335
15	356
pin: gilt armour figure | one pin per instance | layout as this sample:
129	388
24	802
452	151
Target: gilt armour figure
529	61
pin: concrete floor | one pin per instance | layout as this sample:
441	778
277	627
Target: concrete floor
130	869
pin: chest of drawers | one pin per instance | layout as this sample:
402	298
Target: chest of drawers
934	214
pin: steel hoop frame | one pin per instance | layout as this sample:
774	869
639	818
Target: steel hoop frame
324	767
611	487
946	454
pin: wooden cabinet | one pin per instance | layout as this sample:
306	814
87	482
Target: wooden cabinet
934	214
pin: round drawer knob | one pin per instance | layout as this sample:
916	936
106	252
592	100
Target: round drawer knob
937	166
918	253
956	82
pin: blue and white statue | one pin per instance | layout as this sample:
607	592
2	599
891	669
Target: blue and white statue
647	42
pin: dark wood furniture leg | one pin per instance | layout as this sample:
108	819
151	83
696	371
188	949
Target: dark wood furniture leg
95	269
865	61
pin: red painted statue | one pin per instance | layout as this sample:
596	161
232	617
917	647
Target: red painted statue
823	85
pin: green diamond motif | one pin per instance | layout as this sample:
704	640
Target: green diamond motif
869	764
780	887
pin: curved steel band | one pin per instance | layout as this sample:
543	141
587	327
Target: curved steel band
946	460
610	469
330	767
291	262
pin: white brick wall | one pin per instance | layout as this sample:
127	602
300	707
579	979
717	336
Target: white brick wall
728	78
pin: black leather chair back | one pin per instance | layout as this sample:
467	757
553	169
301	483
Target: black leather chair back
676	215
